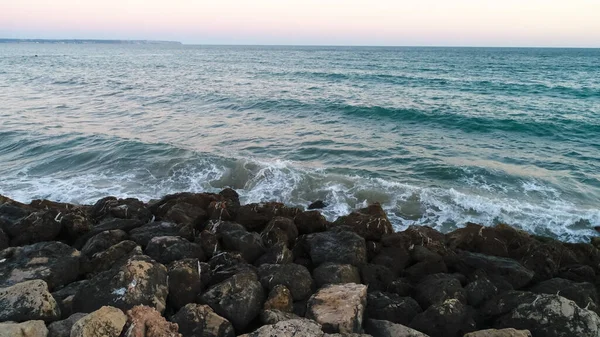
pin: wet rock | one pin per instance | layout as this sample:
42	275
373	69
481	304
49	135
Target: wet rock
184	208
197	320
53	262
106	321
584	294
278	254
379	328
450	318
438	288
293	276
338	247
552	316
391	307
36	227
273	316
25	329
510	332
113	208
371	222
280	298
377	277
500	240
125	225
142	235
256	216
317	205
339	308
480	290
105	260
63	328
166	249
310	222
138	280
239	299
333	273
290	328
29	300
187	279
143	321
236	238
74	224
517	275
103	241
394	252
280	230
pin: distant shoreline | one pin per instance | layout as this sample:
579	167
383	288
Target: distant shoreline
86	41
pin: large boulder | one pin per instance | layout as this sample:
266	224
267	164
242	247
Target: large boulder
113	208
273	316
583	293
277	254
36	227
29	300
552	316
480	290
238	298
138	280
371	222
195	320
280	230
504	303
143	234
143	321
166	249
380	328
289	328
334	273
106	259
255	217
235	237
104	322
511	270
280	298
437	288
295	277
310	222
450	318
25	329
341	247
63	328
391	307
500	240
103	241
339	307
64	297
184	208
187	279
125	225
376	276
4	240
510	332
53	262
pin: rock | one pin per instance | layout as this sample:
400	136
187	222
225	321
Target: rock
143	321
225	210
209	242
339	307
29	300
166	249
105	260
280	298
505	302
371	222
293	276
236	238
196	320
391	307
333	273
64	297
53	262
317	205
103	241
377	277
142	235
418	271
138	280
63	328
552	316
273	316
379	328
584	294
36	227
25	329
500	240
480	290
239	299
104	322
4	239
517	275
75	225
224	265
113	208
280	230
187	279
184	208
338	247
278	254
446	319
290	328
500	333
310	222
578	273
125	225
438	288
401	286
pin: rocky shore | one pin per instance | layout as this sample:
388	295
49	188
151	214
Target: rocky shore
201	264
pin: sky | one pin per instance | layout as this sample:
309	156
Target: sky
533	23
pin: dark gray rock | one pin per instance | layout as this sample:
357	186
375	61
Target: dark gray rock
391	307
166	249
517	275
438	288
187	279
197	320
333	273
310	222
379	328
371	222
280	230
103	241
341	247
295	277
63	328
583	293
105	260
142	235
450	318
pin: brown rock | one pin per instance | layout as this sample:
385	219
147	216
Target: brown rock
104	322
143	321
25	329
29	300
280	298
371	222
339	308
197	320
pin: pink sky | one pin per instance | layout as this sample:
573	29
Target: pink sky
333	22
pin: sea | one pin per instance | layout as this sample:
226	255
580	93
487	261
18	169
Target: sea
438	136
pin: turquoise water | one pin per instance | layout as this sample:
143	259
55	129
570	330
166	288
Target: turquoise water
439	136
